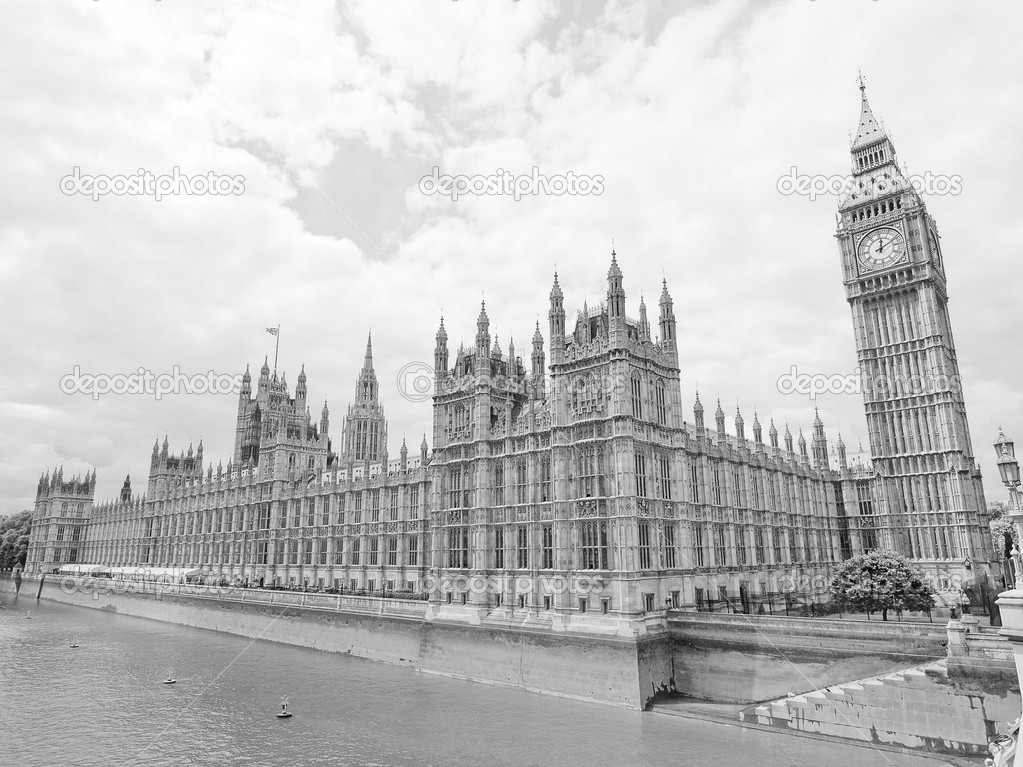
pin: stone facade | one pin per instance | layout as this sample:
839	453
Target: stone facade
574	492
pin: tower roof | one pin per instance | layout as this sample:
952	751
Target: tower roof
614	271
869	130
368	362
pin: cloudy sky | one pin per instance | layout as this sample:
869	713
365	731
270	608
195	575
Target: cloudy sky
333	113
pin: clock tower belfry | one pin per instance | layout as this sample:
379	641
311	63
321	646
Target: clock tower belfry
928	496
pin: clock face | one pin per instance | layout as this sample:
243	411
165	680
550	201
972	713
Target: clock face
881	247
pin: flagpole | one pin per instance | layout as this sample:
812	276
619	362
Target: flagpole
277	345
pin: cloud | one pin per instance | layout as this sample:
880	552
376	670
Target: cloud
333	114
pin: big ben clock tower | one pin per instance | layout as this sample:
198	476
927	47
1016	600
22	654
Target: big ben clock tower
927	489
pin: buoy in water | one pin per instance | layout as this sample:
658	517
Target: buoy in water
170	681
284	713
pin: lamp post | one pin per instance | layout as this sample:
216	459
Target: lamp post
1010	602
1008	469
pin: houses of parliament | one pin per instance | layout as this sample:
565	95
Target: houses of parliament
570	487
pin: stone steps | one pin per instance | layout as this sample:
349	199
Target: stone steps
914	708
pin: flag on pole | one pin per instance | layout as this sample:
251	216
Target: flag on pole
272	331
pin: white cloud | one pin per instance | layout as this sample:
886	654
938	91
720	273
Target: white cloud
691	114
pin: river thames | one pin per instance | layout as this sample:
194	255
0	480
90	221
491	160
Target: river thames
105	703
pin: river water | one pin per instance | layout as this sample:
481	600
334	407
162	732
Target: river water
104	704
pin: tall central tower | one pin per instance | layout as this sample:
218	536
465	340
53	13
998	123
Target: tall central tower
927	486
365	429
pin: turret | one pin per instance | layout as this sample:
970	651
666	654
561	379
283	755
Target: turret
698	412
788	439
404	455
615	293
802	444
300	390
644	323
773	434
719	419
740	432
264	377
483	333
539	359
758	436
440	351
423	448
819	443
324	421
668	326
557	319
843	462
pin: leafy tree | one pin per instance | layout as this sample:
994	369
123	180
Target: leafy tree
1000	524
880	581
14	531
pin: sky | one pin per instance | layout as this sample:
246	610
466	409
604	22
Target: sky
319	122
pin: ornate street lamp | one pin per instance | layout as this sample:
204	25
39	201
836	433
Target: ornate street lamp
1008	469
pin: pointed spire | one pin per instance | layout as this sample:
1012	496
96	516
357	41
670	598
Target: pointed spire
869	130
614	271
368	362
556	289
264	372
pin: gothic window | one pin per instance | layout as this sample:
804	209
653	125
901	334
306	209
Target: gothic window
414	501
499	548
640	475
356	551
720	545
659	404
669	546
594	546
740	544
637	397
698	544
394	504
374	551
523	547
499	482
458	547
545	477
758	542
455	487
694	482
547	550
392	551
664	477
413	551
738	499
644	546
521	475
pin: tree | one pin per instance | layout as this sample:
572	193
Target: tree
14	532
1001	525
880	581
